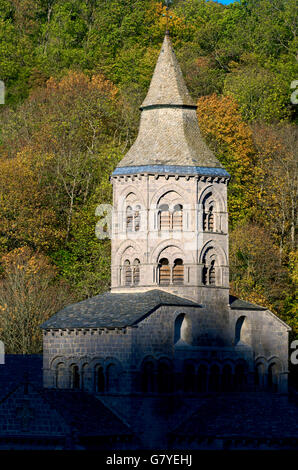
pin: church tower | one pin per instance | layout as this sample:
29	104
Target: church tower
168	325
170	220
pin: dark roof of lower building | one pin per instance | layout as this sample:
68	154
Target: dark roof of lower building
87	414
31	411
255	415
16	367
114	310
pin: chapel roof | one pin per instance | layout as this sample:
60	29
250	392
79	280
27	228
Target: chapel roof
118	310
114	310
238	304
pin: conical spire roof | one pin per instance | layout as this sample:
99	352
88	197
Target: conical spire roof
167	85
169	136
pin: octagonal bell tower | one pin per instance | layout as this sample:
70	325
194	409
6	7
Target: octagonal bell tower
170	220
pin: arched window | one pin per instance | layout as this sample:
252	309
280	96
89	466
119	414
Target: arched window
164	377
238	329
210	220
260	376
85	377
273	377
227	378
74	377
212	273
240	377
182	329
202	379
189	377
178	272
178	328
204	275
209	268
137	218
112	378
148	378
164	272
178	217
164	214
99	379
127	273
136	271
60	375
129	219
214	379
208	213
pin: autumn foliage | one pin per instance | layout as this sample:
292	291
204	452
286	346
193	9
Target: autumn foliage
75	74
29	295
231	139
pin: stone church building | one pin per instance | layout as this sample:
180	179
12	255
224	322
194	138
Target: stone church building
168	326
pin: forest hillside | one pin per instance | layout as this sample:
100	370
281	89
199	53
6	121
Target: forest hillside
75	73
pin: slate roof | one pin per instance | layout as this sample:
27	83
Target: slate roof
255	415
87	414
167	84
114	310
30	411
238	304
169	133
27	413
14	369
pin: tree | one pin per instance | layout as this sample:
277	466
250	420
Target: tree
231	139
256	272
85	261
27	216
29	295
260	93
63	131
277	191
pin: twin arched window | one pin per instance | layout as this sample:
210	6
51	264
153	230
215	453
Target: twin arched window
157	376
106	380
209	267
133	219
131	273
267	381
208	213
170	219
171	274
